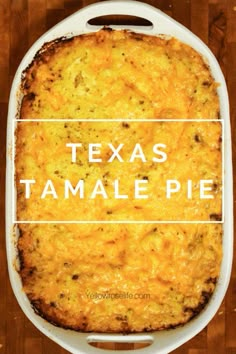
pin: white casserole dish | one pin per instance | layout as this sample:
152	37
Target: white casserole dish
164	341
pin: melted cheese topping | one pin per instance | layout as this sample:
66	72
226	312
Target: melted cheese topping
118	277
118	74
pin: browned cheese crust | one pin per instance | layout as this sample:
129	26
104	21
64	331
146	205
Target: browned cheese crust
75	275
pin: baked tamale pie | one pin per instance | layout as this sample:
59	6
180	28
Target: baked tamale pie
117	277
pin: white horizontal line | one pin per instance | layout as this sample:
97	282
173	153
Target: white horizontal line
116	222
119	120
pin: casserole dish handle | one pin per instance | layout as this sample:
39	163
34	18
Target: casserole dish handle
144	339
160	21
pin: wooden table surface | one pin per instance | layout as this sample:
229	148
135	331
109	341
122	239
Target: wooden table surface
21	23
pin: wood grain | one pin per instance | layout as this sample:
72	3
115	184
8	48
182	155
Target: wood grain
21	23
